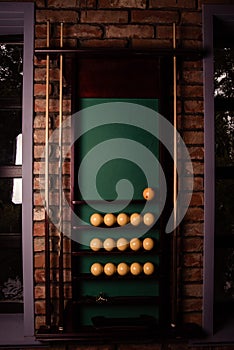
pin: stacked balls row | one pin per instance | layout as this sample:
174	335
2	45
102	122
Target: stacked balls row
122	244
122	219
122	269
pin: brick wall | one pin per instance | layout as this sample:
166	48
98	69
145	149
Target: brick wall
120	24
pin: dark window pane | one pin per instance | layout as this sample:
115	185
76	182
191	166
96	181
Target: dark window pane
10	205
11	128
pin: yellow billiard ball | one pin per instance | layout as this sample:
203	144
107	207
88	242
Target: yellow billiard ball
135	268
135	219
148	243
148	268
95	244
109	244
148	219
96	219
109	269
122	244
96	269
148	193
109	219
135	244
122	269
122	219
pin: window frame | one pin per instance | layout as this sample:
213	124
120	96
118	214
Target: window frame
224	12
22	325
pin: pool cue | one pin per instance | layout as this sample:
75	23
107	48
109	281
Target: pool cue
47	224
60	247
175	188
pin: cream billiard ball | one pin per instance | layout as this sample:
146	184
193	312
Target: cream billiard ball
135	219
109	269
122	269
109	244
122	244
96	269
148	268
135	268
122	219
96	219
109	219
148	193
148	243
95	244
148	219
135	244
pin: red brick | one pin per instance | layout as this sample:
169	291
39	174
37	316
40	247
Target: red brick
39	292
191	122
193	229
192	290
56	16
193	317
192	44
196	153
192	260
104	16
194	76
40	3
40	307
192	274
39	229
191	32
40	31
192	244
62	3
191	18
39	214
83	31
39	261
39	275
129	31
197	199
192	305
198	168
193	137
190	91
86	4
172	3
40	74
122	4
151	16
40	89
194	214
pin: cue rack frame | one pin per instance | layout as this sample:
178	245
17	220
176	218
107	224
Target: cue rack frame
50	332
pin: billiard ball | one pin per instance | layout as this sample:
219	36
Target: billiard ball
122	219
122	269
122	244
109	219
148	268
135	268
95	244
96	219
109	269
148	243
109	244
148	193
96	269
135	244
148	219
135	219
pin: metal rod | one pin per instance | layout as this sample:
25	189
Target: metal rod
47	224
175	185
61	289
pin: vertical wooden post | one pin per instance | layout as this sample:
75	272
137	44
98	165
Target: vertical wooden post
60	183
175	187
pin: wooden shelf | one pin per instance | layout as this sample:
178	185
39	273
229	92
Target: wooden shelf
102	252
89	276
194	54
128	300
